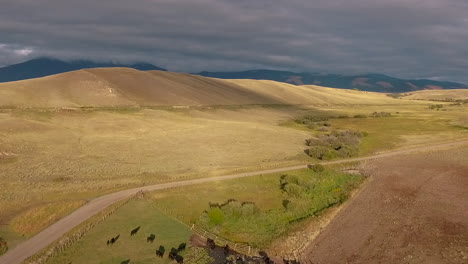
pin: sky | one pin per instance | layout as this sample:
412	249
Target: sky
402	38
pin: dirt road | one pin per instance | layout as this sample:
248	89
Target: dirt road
55	231
413	210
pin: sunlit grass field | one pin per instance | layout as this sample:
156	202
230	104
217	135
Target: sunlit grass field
93	248
59	159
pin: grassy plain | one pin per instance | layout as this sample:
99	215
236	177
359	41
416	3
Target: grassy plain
56	156
160	213
68	138
169	233
261	211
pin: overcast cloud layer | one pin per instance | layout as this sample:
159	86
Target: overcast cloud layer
404	38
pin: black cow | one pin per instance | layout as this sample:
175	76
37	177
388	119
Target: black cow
226	250
182	247
125	261
265	257
150	238
134	231
174	252
160	252
113	240
210	243
179	259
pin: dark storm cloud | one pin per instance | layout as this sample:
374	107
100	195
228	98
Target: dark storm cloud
408	38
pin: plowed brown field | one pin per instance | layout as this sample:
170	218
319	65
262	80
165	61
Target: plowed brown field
414	210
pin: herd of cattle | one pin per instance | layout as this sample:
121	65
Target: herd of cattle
173	254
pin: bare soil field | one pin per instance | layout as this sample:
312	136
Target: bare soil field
412	211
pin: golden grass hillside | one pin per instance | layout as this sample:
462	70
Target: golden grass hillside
129	87
313	95
456	94
124	87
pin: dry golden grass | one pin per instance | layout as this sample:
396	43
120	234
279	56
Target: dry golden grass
455	94
38	218
52	155
129	87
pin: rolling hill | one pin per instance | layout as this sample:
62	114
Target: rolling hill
41	67
438	95
365	82
130	87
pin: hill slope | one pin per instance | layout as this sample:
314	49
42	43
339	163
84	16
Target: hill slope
365	82
130	87
46	66
442	95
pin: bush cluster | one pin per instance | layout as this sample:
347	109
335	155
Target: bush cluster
3	246
304	193
381	114
395	95
232	210
342	144
436	106
359	116
309	196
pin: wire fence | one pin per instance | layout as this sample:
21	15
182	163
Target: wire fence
242	248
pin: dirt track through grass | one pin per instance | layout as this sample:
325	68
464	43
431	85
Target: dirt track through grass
55	231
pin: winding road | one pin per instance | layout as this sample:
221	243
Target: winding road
57	230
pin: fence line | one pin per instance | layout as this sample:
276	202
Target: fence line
242	248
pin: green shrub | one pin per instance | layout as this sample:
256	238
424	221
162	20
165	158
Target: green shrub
320	152
436	106
323	129
216	215
3	246
198	255
359	116
381	114
317	167
335	144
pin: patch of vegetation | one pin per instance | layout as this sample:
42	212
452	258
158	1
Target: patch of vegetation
198	255
303	194
343	144
92	247
311	119
381	114
395	95
317	167
436	106
359	116
3	246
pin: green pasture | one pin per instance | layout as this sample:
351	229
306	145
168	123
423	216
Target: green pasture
93	249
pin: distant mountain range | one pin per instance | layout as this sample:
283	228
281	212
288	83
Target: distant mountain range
366	82
41	67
